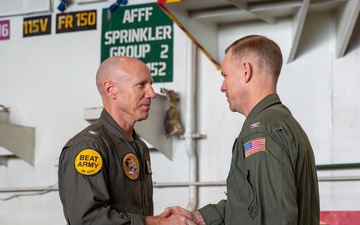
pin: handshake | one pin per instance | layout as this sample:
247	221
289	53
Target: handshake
176	216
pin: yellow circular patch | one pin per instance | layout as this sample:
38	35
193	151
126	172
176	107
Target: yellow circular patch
88	162
131	166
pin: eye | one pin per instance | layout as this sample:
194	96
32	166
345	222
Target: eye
141	85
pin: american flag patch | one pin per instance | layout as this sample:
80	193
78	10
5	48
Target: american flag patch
254	146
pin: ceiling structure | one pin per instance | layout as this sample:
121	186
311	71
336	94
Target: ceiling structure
200	18
24	7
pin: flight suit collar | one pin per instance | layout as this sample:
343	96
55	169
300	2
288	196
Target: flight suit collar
113	127
266	102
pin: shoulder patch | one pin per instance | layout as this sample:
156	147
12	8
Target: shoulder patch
254	146
131	166
88	162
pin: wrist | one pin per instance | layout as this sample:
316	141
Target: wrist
197	217
153	220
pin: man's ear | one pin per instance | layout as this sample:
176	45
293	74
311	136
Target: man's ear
109	89
247	68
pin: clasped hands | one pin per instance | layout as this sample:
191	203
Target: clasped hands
183	216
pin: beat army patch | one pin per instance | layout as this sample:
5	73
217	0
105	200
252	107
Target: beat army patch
131	166
88	162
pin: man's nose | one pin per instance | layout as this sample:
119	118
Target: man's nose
151	93
222	88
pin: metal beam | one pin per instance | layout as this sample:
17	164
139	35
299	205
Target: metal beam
244	6
298	24
345	24
239	3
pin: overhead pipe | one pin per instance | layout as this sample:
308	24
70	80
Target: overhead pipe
205	183
171	184
29	189
338	166
193	196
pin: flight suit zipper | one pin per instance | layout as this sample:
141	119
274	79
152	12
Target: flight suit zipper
145	201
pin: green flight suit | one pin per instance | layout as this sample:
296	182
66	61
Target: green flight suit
273	178
105	178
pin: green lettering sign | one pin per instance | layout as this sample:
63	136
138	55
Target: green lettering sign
141	31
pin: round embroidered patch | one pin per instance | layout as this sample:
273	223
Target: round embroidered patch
88	162
131	166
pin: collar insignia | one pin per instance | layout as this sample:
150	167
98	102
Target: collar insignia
254	125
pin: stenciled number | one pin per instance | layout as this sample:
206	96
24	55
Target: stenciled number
4	30
86	19
31	26
157	68
164	52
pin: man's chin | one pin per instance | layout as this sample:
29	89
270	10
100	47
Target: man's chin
232	109
143	117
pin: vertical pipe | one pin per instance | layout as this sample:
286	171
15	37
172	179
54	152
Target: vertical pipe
189	123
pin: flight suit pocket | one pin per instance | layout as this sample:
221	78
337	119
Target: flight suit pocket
253	208
241	192
134	189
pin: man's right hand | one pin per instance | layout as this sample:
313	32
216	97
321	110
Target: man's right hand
194	215
173	219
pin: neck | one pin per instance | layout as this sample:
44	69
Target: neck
257	96
124	123
127	127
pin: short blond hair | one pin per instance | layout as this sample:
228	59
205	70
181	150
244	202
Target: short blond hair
266	51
